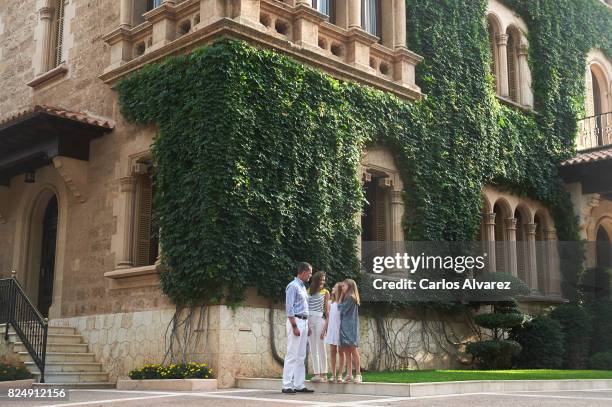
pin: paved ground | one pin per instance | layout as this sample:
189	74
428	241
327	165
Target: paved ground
261	398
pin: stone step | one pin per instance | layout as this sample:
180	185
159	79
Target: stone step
56	330
52	357
73	377
52	338
57	347
66	367
88	385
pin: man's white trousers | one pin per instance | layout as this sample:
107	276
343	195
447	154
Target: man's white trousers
294	371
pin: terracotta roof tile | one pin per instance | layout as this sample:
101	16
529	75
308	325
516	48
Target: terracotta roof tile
58	111
589	157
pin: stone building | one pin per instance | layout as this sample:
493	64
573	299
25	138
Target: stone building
75	187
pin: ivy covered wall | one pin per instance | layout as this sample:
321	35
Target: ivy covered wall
256	155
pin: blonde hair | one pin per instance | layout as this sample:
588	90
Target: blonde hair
353	291
335	297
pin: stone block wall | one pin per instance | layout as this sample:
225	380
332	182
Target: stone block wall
237	341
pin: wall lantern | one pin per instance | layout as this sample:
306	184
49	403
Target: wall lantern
30	177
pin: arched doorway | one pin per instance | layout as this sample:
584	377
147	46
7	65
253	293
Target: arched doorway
47	257
604	258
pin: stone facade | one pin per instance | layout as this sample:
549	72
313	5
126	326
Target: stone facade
238	342
98	288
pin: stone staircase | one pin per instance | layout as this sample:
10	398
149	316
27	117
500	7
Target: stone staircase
68	362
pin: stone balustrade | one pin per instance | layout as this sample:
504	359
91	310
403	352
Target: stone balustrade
342	49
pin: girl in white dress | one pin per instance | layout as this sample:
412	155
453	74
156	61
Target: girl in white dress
332	334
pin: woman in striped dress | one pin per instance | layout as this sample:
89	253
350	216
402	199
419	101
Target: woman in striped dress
318	310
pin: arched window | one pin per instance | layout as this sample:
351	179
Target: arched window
383	209
512	61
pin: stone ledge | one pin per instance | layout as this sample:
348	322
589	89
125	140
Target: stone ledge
53	74
146	276
433	389
168	384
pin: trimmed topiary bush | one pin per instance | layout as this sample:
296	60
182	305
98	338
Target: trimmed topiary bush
542	344
601	361
494	354
577	328
497	353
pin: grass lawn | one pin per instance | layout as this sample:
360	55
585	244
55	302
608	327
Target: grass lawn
420	376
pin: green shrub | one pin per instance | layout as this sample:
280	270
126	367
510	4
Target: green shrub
595	284
601	314
494	354
499	320
601	361
13	371
577	328
189	370
541	340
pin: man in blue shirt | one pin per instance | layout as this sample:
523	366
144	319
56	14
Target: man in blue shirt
296	305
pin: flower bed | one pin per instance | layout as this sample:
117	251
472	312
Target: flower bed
10	371
157	371
184	376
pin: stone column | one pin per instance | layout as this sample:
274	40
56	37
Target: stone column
502	43
127	16
523	67
553	277
532	264
488	219
128	189
46	22
510	231
354	13
305	25
399	16
397	214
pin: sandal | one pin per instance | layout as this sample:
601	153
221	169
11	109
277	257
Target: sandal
348	379
358	379
340	380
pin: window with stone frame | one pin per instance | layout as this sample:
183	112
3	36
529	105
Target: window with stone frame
371	20
146	233
57	52
376	215
327	7
493	32
513	72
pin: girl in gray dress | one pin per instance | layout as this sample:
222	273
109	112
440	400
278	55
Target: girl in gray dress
349	329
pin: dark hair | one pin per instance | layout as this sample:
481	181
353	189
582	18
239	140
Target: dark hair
303	266
315	282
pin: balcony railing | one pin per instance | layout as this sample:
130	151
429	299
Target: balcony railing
595	131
